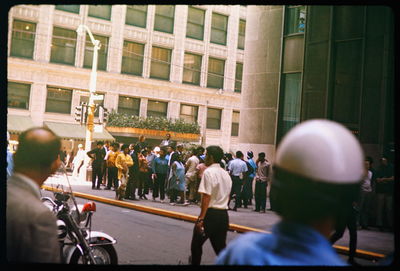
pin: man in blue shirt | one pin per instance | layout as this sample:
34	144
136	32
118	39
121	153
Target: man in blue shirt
160	170
237	169
317	173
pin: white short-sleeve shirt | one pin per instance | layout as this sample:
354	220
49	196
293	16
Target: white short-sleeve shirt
217	183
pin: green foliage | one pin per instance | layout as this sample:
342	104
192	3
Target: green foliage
156	123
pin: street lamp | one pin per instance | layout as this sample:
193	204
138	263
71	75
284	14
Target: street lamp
92	91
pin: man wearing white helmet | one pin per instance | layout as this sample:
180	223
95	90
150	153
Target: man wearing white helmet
317	172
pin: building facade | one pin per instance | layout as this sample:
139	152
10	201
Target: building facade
307	62
173	61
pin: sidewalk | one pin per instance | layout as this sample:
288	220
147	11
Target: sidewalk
370	243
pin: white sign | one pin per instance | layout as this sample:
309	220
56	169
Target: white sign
98	97
98	128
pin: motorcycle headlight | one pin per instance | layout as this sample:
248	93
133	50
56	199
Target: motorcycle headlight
61	230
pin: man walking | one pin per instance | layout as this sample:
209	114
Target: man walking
97	154
237	168
31	227
213	221
262	176
191	175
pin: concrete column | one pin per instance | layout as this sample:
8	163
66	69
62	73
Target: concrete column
116	43
261	76
151	9
207	32
173	110
181	12
44	32
37	105
226	126
143	107
232	38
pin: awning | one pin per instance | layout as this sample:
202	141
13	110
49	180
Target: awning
17	124
76	131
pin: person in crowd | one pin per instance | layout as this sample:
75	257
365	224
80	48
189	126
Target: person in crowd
123	162
160	170
247	192
200	154
177	180
142	143
111	168
201	167
262	176
10	163
364	204
237	168
106	148
97	154
213	221
384	193
31	227
151	155
191	175
133	180
250	159
228	158
167	141
311	194
63	155
78	161
143	188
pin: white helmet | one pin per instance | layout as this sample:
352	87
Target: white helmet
322	150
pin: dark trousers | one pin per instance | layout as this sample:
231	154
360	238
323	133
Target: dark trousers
216	224
143	187
159	185
247	191
131	185
260	194
350	221
112	177
97	174
236	189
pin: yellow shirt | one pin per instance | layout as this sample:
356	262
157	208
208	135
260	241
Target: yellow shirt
112	156
123	161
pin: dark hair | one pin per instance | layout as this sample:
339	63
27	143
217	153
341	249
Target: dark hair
124	146
239	154
369	159
215	152
116	145
100	143
37	151
261	154
144	151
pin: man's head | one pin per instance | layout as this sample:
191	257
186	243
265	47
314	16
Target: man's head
261	156
168	136
99	144
163	151
38	152
214	154
115	146
125	148
239	154
107	143
200	150
142	138
179	147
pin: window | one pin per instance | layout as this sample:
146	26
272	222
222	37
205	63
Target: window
58	100
85	99
192	69
102	52
157	109
215	77
195	23
242	31
129	105
291	101
189	113
68	8
100	11
238	77
136	15
295	19
63	46
219	28
132	58
164	18
214	118
160	63
18	95
23	39
235	123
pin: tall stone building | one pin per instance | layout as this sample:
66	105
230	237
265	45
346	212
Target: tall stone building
155	60
306	62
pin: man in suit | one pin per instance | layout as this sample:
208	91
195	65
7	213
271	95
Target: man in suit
31	226
97	154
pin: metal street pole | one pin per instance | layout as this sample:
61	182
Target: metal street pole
92	90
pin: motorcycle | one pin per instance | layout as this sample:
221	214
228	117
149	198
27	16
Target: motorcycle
78	243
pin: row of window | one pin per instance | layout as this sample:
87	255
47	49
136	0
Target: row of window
63	51
59	100
136	15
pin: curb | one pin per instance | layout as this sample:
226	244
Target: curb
363	254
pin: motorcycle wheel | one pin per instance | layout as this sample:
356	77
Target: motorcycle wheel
103	255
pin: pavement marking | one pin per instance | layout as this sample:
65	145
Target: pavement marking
232	227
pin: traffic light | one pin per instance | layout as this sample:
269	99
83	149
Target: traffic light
103	114
81	113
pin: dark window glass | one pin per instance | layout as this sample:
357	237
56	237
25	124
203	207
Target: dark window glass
63	46
214	118
189	113
58	100
195	23
69	8
235	123
85	99
295	19
18	95
164	18
102	52
215	78
242	31
238	77
291	101
157	109
132	58
23	39
349	22
129	105
192	69
136	15
100	11
219	28
160	63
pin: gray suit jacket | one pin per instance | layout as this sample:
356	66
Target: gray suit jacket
31	227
